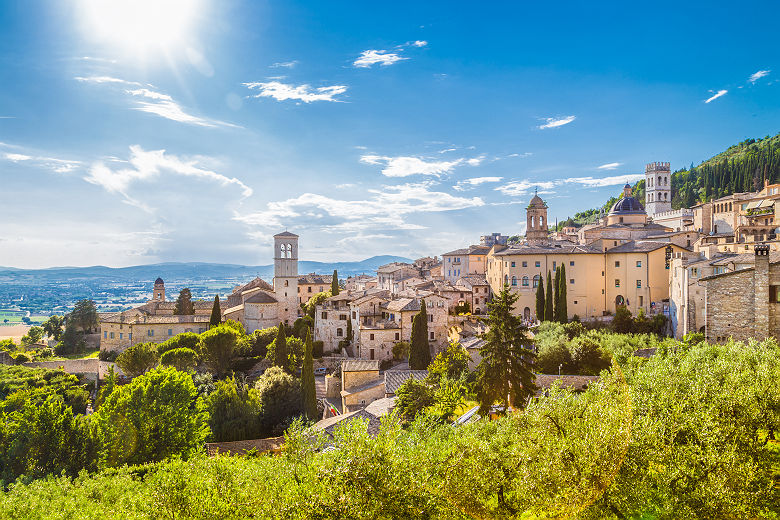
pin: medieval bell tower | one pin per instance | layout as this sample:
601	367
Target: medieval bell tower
536	229
658	188
286	275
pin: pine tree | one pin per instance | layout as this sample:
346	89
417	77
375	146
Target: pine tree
548	300
334	284
419	353
540	299
562	307
307	382
505	373
184	305
280	349
216	313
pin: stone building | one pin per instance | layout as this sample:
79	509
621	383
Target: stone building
311	284
536	231
360	384
744	304
658	188
493	239
389	275
464	262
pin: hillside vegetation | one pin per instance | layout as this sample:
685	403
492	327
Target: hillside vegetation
742	167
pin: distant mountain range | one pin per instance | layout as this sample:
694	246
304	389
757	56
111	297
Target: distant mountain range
174	271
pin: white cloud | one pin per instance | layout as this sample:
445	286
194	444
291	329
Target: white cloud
284	64
716	96
552	122
372	57
105	79
149	165
592	182
383	209
758	75
419	43
49	163
406	166
609	166
307	94
149	94
475	181
521	188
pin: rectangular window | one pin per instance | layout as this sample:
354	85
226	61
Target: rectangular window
354	315
397	336
639	284
571	263
309	288
554	265
774	293
513	264
639	263
121	335
324	315
371	337
617	282
430	318
150	332
641	300
525	264
111	335
170	332
130	336
343	317
433	336
538	263
617	263
105	334
571	280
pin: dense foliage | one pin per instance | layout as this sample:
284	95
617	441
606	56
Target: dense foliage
682	435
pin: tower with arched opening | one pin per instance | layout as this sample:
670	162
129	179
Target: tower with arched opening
536	217
286	275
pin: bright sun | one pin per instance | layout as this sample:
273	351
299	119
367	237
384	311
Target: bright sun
140	25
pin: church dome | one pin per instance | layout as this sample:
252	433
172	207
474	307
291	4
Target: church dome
159	281
537	202
627	206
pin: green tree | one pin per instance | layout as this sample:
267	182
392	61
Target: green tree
220	345
419	351
184	359
307	382
401	351
33	336
451	363
44	438
71	340
234	412
157	416
310	307
109	385
53	327
412	397
562	306
548	303
84	316
505	373
622	322
540	302
334	284
184	304
137	359
260	339
279	356
556	293
350	332
280	399
216	313
188	340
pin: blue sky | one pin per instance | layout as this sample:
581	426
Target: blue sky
172	130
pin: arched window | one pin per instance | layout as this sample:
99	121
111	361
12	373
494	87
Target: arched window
659	180
514	281
666	181
536	280
506	279
525	281
541	221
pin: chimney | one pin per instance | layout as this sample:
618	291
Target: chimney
761	292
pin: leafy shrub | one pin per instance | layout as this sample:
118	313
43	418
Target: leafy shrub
235	412
317	349
108	355
21	357
260	339
184	359
188	340
280	398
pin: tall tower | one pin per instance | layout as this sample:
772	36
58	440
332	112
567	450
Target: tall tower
536	228
286	275
658	188
159	291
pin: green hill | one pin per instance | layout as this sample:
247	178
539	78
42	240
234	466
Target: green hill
742	167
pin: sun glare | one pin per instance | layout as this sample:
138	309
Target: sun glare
140	25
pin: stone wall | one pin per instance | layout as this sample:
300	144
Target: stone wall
729	304
332	387
91	368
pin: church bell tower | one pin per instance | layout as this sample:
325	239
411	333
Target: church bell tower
286	275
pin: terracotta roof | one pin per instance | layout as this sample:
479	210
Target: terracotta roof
359	365
640	246
313	278
567	249
573	382
328	426
395	378
261	297
257	282
271	444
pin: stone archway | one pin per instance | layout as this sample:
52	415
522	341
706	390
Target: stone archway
619	301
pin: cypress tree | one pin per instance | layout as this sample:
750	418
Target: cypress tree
280	349
184	305
307	382
562	306
540	299
548	300
216	313
334	284
419	353
350	334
